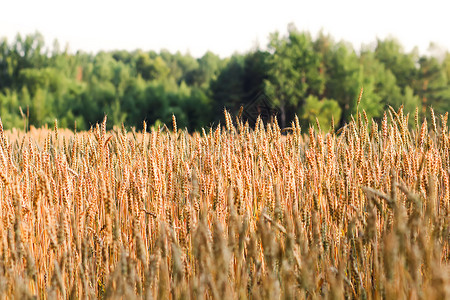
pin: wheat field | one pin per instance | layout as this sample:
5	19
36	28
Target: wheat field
230	212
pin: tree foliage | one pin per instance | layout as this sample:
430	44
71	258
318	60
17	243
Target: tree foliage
310	77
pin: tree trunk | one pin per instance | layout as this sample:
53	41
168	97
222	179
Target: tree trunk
283	115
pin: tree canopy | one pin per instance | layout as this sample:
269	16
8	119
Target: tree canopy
301	75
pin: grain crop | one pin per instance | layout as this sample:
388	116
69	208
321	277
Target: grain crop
230	212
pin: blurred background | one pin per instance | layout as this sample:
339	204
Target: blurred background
146	60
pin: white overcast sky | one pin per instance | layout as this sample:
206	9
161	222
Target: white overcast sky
223	27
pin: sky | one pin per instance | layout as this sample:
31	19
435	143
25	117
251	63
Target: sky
223	27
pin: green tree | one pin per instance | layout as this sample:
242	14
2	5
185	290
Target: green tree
293	71
228	89
343	82
255	73
381	88
9	109
209	67
432	85
402	65
152	68
324	110
185	65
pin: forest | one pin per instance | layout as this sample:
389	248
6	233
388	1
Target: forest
311	77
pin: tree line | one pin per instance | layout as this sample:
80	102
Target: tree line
301	75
